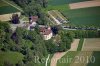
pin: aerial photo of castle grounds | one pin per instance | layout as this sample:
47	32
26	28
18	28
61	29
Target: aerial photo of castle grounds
49	32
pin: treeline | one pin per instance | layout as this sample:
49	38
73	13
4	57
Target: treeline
86	33
31	44
34	8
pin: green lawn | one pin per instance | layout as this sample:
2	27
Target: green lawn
80	44
67	57
86	16
96	54
12	57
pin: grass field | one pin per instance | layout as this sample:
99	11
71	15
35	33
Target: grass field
80	44
69	55
91	44
61	2
80	58
3	4
12	57
97	59
86	16
6	8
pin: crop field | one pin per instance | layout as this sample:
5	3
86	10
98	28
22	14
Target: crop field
96	55
85	4
6	8
85	16
61	2
75	58
67	58
79	17
81	59
56	14
2	4
91	44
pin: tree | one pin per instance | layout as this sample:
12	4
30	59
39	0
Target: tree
15	19
2	36
20	64
7	63
5	26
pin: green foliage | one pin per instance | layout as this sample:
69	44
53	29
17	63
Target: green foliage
33	8
86	33
80	45
66	38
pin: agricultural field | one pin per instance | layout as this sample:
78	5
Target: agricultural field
84	17
80	58
61	2
11	57
56	14
91	44
79	17
85	4
67	58
6	8
96	55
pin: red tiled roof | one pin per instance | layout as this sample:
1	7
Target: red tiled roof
45	31
34	18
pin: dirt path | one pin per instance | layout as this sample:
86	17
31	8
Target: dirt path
58	55
84	4
74	45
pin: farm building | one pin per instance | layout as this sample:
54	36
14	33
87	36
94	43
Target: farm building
6	11
57	17
46	32
32	23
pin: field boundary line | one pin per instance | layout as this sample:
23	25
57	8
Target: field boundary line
83	44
